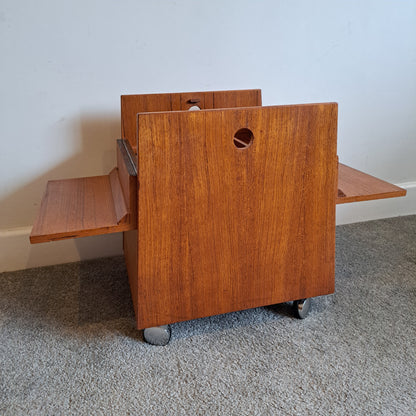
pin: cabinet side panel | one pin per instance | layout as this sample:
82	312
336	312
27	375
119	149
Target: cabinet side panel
223	228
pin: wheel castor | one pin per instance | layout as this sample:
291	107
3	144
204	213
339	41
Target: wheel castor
157	335
302	307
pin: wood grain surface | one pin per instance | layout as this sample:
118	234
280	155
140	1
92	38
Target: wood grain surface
222	228
143	103
131	105
354	186
78	207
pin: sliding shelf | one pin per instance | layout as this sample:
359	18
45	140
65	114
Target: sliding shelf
81	207
354	186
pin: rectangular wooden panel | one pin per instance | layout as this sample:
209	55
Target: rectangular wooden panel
222	228
354	186
131	105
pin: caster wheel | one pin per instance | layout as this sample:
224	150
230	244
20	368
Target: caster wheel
302	308
157	335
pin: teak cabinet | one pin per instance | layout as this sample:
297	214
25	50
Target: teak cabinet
223	209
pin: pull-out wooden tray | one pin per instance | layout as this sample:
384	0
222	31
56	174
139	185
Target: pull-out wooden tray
77	208
354	186
94	205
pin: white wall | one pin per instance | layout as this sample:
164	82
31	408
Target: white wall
65	64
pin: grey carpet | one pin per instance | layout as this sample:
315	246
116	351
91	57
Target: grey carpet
68	344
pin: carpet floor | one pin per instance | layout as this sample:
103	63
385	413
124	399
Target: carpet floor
68	345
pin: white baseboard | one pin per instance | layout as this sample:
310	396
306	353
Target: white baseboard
16	252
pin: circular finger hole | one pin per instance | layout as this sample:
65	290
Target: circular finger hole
243	138
193	108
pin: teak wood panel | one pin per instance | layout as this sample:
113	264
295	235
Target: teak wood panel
133	104
354	186
223	229
143	103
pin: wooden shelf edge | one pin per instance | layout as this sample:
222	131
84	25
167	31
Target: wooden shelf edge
372	197
45	238
357	186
